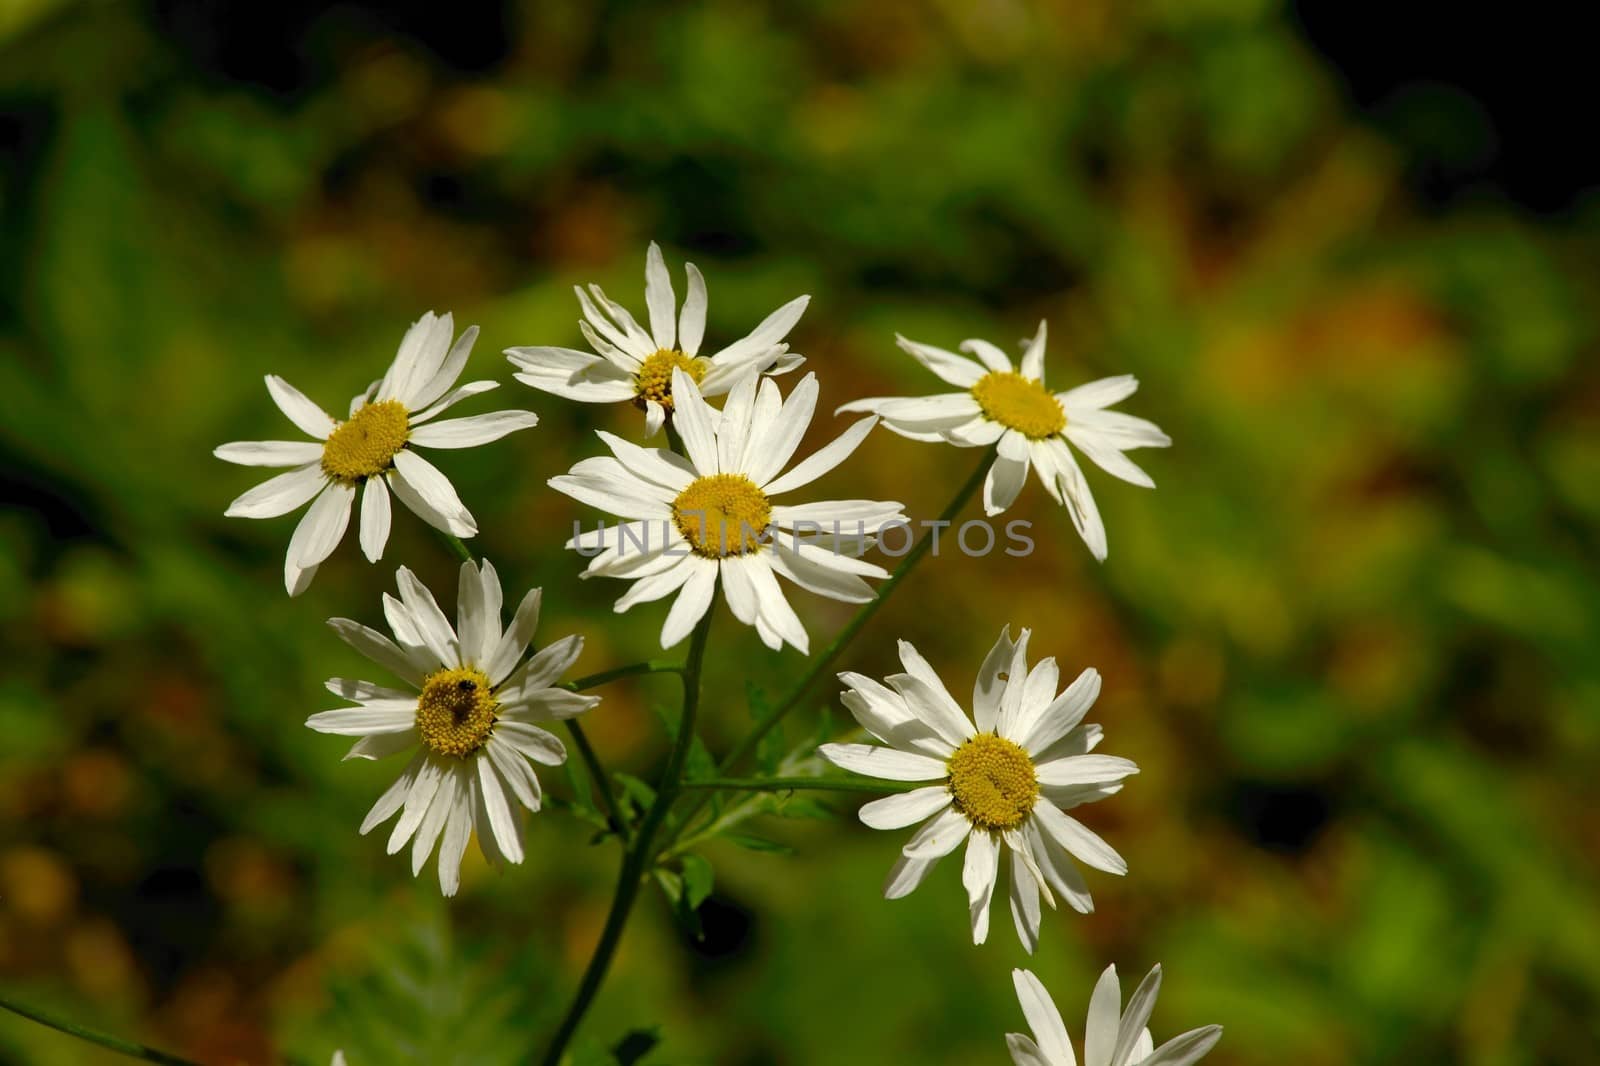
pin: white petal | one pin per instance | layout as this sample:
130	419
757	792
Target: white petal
655	416
1189	1048
471	388
734	432
379	648
989	354
978	875
375	517
270	452
473	633
1099	394
434	489
457	832
1024	1052
387	717
934	707
907	808
773	443
473	430
691	604
515	640
692	321
990	684
1105	1009
1136	1015
394	796
939	835
905	875
772	329
448	370
885	763
1080	504
432	624
1005	481
808	568
1033	356
310	418
696	422
322	526
659	299
655	465
540	745
1085	770
502	821
1084	844
541	670
1062	715
1024	897
280	494
1043	1018
951	368
1105	455
822	460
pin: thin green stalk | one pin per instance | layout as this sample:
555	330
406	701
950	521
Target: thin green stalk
617	673
458	546
824	663
640	857
799	784
602	781
105	1040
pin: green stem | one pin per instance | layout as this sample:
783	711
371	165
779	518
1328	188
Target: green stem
640	857
617	673
602	781
117	1044
458	546
824	663
801	784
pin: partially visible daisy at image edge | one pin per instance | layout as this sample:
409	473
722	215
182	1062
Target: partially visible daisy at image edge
1009	406
1001	781
472	715
690	520
373	450
637	365
1112	1037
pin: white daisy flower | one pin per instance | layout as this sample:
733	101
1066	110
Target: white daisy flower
637	365
1111	1037
1006	780
1002	404
713	513
470	712
373	450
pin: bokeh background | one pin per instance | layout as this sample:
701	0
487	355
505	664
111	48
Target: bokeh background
1351	639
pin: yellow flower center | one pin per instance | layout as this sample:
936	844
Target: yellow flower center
456	711
654	379
722	515
1020	404
366	445
992	782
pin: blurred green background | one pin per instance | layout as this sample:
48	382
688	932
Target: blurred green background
1350	639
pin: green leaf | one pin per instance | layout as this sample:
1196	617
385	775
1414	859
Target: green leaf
754	843
697	879
635	791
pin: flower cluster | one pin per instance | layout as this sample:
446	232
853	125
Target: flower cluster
716	509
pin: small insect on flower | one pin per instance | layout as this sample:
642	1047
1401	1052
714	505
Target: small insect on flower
1007	779
374	450
692	519
637	366
471	718
1010	407
1111	1037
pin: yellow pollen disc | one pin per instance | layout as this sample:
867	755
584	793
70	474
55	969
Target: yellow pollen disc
366	445
456	711
1017	403
654	379
722	515
992	782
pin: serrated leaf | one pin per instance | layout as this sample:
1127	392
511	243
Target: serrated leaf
698	879
754	843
